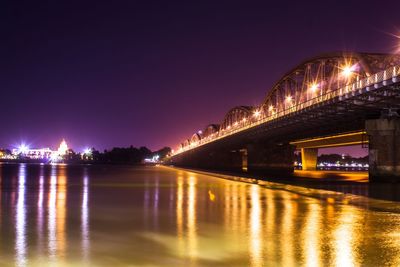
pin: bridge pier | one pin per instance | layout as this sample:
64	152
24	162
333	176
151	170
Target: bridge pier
270	158
309	159
384	149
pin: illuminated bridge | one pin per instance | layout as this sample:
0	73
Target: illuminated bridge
335	99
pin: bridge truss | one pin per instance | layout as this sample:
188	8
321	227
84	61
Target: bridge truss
319	89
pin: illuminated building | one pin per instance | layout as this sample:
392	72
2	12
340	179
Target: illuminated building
41	153
38	153
62	149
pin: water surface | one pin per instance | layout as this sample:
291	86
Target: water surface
55	215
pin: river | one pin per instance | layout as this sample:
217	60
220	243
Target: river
58	215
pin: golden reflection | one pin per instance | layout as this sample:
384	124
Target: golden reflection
235	209
227	206
360	176
330	212
57	214
288	231
234	216
330	200
191	217
235	213
1	190
311	236
85	217
51	224
256	258
20	218
61	211
211	195
179	215
187	240
344	236
243	207
270	225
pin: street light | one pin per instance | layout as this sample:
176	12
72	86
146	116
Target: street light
256	113
314	87
348	70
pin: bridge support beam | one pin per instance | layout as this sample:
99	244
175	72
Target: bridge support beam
384	149
309	159
270	158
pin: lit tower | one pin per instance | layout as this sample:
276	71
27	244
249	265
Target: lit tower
62	149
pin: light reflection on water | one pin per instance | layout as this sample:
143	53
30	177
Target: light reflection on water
40	214
256	258
52	213
85	218
123	216
20	218
312	242
289	213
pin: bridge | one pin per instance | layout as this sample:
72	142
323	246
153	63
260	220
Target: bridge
331	100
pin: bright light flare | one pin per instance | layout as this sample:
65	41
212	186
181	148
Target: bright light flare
348	70
314	87
398	44
23	149
271	108
87	151
397	40
289	98
257	113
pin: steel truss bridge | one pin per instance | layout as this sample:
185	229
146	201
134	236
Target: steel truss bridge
329	94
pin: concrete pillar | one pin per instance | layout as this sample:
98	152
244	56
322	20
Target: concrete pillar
384	149
244	159
309	159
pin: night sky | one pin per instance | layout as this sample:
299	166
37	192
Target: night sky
146	73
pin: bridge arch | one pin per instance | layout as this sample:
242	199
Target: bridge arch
195	138
235	117
210	130
318	75
186	143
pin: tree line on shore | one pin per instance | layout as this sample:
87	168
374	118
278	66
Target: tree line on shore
117	155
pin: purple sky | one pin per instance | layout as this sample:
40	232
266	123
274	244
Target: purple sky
123	73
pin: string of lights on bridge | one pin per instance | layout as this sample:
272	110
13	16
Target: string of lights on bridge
349	78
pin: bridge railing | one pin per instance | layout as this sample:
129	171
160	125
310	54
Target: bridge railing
372	80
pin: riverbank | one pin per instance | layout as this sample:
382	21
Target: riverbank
340	186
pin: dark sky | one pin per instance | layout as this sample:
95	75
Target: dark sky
148	73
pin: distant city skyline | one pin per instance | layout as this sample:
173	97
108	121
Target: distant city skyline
151	74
